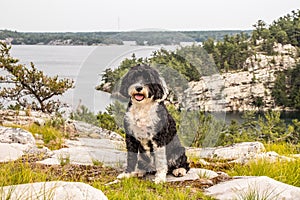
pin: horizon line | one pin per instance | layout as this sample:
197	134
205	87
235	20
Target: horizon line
124	31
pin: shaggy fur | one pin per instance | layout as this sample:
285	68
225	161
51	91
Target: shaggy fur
152	142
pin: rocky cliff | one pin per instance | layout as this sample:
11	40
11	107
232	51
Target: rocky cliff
249	89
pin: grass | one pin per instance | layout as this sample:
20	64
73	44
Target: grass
52	136
253	194
134	188
13	173
26	171
282	148
284	171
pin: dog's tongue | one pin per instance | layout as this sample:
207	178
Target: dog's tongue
139	97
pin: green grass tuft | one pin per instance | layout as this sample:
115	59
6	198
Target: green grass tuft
134	188
52	137
13	173
284	171
282	148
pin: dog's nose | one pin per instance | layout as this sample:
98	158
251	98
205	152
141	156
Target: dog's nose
138	88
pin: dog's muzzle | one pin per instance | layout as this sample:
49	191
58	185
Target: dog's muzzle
139	96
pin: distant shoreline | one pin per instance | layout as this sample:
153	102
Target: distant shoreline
147	38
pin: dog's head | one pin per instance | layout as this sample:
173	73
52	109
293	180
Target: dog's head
143	83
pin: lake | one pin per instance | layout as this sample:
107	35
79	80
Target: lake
83	64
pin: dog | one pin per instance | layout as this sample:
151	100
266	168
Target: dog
153	145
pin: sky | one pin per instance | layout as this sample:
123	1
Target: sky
131	15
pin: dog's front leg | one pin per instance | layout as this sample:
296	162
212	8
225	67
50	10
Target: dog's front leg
132	153
161	165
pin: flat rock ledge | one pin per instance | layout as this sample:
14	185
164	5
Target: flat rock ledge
88	151
56	190
261	187
237	153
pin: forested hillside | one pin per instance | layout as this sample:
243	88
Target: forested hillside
96	38
232	52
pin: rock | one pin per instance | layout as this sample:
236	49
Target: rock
56	190
238	91
233	152
241	153
39	121
84	129
16	142
86	151
11	152
256	187
267	156
13	117
15	135
192	175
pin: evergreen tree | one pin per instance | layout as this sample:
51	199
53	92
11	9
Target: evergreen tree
28	86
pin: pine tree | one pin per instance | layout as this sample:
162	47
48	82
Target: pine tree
28	86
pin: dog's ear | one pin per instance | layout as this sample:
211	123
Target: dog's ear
125	84
156	91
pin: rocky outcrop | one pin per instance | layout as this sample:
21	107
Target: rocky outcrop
83	129
16	142
243	90
237	153
13	117
16	135
88	151
56	190
253	188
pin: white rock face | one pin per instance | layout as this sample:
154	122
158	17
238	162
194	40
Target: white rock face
52	190
261	187
242	90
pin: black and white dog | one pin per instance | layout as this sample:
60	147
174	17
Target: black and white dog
152	142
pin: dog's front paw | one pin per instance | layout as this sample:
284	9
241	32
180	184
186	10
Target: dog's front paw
179	172
160	178
138	173
124	175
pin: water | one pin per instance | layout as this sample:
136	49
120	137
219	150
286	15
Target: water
83	64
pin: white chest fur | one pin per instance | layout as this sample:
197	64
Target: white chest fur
142	121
